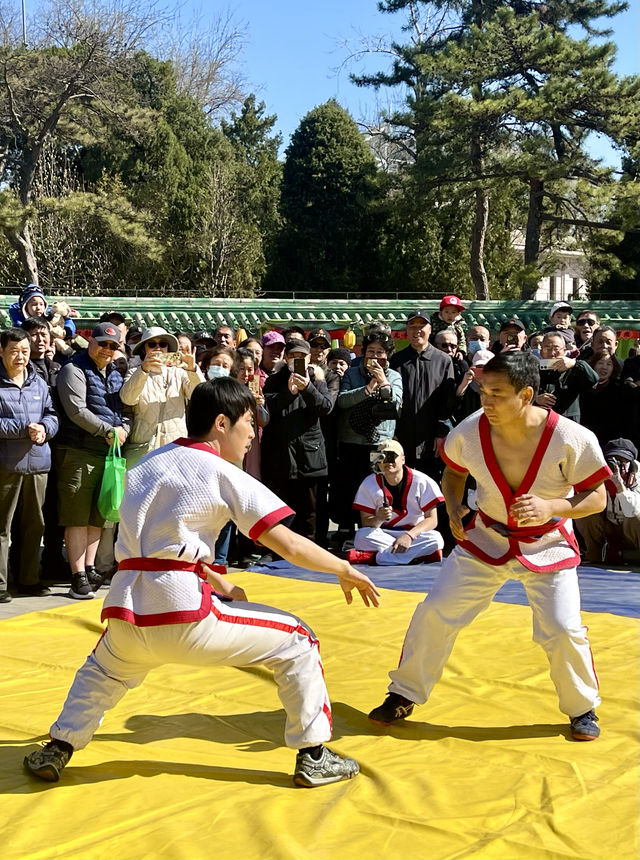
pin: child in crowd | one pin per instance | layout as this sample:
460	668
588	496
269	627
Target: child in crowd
449	317
560	319
32	303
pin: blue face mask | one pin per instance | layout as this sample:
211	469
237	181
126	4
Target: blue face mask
475	345
216	372
535	352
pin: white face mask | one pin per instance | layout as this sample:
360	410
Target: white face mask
214	371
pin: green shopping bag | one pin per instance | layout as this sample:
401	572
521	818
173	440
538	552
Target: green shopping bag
112	486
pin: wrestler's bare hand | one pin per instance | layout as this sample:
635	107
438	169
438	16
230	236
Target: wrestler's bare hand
530	510
402	543
455	521
352	578
222	585
384	512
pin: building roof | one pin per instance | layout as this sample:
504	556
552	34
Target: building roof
257	315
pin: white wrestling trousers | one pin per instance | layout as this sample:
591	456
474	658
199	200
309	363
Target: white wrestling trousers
233	634
465	587
381	540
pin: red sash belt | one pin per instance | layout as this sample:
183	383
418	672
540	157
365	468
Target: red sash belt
526	533
158	564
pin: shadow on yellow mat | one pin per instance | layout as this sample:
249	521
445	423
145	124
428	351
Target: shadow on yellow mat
192	763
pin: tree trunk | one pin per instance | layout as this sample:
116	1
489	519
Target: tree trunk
476	264
534	225
20	241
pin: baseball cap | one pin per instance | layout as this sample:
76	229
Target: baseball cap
481	357
512	322
272	337
558	306
390	445
453	301
297	345
419	314
113	317
106	331
319	334
621	448
204	335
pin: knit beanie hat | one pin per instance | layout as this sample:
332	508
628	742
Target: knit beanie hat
30	292
339	352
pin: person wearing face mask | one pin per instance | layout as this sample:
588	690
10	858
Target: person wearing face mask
158	392
217	362
293	455
479	337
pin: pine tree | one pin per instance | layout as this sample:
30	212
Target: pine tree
503	89
328	240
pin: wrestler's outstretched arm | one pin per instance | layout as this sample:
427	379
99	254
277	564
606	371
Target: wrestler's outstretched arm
304	553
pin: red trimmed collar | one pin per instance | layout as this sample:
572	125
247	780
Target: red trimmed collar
186	442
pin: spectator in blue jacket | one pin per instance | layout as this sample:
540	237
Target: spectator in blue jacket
27	421
92	415
32	303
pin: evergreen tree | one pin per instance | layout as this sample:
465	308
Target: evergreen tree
503	89
329	238
258	173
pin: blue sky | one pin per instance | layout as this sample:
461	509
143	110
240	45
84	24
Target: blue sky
294	48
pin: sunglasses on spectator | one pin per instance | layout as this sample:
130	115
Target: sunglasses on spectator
158	344
108	344
586	321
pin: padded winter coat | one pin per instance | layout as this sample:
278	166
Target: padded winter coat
20	407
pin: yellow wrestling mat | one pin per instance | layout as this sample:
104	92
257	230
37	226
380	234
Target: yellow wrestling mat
192	763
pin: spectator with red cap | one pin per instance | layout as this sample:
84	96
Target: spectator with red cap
448	317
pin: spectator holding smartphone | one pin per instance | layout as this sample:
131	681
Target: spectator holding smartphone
158	391
562	379
512	335
294	461
398	509
618	526
368	405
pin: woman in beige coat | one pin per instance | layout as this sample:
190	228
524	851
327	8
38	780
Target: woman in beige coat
159	391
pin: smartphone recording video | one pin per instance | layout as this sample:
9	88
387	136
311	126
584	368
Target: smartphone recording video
299	366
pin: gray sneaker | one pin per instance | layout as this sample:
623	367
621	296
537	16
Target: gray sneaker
329	768
48	762
80	587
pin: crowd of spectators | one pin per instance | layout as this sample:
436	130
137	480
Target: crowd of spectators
343	438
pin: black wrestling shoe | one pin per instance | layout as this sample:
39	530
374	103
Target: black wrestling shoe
395	707
584	728
48	762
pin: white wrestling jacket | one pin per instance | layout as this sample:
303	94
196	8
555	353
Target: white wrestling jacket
176	500
568	460
421	493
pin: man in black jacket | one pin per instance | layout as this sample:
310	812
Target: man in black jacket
293	456
428	395
562	379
